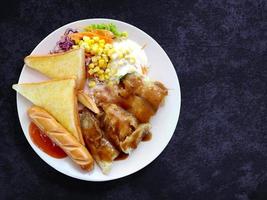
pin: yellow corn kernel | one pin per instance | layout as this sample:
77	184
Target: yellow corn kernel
132	60
80	42
105	51
101	77
108	46
91	71
104	56
95	45
101	71
100	50
96	38
107	71
106	76
94	49
110	52
84	45
102	62
75	47
120	63
91	42
86	38
110	83
96	69
126	51
120	55
94	59
102	41
91	66
92	84
113	71
87	48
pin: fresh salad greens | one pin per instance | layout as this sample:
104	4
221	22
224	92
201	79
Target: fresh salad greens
110	27
102	58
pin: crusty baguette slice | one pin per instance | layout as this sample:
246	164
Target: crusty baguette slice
58	134
58	97
61	65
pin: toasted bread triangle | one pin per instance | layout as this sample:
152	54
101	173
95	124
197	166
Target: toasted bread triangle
58	98
62	65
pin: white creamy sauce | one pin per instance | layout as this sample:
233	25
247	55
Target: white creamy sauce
124	65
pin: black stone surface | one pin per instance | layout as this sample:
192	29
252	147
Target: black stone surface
219	149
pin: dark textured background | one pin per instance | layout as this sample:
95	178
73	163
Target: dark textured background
219	149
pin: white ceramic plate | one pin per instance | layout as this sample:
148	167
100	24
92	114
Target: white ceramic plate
163	123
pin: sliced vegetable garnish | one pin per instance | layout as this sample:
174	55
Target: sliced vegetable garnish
110	27
65	43
78	36
108	55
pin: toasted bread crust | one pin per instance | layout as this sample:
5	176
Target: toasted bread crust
60	65
59	98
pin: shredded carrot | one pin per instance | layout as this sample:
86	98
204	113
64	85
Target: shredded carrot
74	36
101	35
104	33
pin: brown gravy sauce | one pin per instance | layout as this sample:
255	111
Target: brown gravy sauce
122	156
147	137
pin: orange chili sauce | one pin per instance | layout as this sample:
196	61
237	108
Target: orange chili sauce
42	141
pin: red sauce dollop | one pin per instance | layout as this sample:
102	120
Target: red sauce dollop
41	140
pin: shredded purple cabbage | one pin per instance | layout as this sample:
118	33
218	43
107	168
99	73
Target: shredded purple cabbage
65	43
87	60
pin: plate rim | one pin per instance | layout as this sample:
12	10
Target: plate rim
179	99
